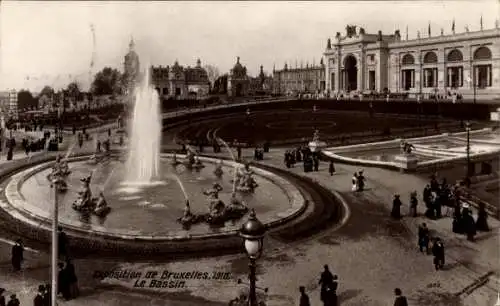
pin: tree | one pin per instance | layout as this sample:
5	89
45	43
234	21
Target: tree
108	81
47	91
73	90
212	73
25	100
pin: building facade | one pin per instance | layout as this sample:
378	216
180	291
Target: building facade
303	80
466	63
238	82
179	82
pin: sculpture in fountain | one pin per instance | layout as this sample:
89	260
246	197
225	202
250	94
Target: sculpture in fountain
218	172
244	179
316	145
59	169
85	202
406	147
102	208
192	161
218	212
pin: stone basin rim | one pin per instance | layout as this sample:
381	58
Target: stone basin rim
297	206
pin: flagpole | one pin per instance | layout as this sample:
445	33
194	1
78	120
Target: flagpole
55	272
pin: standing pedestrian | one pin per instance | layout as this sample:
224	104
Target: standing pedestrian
423	238
238	150
17	255
331	168
47	295
413	204
438	252
326	282
361	181
304	298
482	218
400	298
396	207
354	182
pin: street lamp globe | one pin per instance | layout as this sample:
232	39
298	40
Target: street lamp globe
253	232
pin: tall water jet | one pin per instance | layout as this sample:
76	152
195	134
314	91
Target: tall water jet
144	147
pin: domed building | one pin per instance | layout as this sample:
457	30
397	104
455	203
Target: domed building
131	67
238	83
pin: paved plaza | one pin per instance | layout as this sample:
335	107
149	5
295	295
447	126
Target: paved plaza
370	253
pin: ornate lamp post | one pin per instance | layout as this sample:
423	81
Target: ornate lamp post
253	232
56	182
467	128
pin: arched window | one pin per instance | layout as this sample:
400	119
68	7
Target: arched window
455	56
483	53
408	59
430	58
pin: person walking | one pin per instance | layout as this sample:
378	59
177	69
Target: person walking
400	299
396	207
17	255
423	238
438	252
413	204
331	168
326	282
304	298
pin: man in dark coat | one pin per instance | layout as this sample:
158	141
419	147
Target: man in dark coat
400	298
304	298
423	237
438	252
72	279
396	207
17	255
326	282
361	181
38	300
413	204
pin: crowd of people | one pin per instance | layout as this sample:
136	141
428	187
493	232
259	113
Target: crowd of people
309	159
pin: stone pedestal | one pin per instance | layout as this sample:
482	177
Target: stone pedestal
316	146
407	161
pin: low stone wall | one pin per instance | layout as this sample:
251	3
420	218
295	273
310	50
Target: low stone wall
36	225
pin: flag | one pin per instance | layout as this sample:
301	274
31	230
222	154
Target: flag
429	29
453	26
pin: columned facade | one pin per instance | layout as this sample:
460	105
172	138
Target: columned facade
464	63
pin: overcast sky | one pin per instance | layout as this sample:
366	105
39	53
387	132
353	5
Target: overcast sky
43	40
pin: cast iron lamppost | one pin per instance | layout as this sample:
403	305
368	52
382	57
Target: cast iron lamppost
56	183
467	128
253	231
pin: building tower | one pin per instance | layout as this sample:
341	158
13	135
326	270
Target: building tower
131	68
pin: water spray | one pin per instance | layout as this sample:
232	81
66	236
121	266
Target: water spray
234	159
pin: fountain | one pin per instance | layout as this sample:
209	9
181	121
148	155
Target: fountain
150	194
143	162
406	160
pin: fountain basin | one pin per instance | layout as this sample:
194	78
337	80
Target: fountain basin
438	151
28	200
